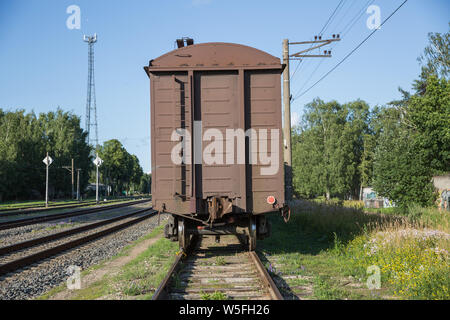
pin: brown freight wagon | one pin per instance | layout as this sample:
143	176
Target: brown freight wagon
216	140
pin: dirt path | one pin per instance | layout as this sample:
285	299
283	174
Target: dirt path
110	268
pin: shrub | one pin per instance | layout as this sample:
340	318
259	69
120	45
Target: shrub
413	261
412	257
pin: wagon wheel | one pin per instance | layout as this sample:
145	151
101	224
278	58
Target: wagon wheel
183	235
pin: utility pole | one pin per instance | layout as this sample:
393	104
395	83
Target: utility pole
70	169
71	196
78	184
287	122
287	98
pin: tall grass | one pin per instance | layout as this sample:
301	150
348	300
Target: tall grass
429	217
411	250
344	222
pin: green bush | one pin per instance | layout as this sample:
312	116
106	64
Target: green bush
413	261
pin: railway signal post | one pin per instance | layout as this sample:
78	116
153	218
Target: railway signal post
98	162
48	161
287	98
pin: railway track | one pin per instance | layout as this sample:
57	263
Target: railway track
27	221
43	207
225	268
19	255
40	209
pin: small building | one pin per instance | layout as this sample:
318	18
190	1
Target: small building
372	200
442	186
91	187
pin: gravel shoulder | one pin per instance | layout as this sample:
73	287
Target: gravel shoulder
109	268
24	233
134	274
36	280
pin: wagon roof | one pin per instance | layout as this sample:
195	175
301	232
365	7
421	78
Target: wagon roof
214	56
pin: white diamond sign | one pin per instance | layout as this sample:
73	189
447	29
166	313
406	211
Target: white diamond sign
98	162
47	160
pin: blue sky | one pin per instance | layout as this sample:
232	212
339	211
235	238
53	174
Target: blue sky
44	64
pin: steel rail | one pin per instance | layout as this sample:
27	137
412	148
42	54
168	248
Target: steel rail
43	207
39	209
33	242
265	277
162	292
163	289
30	259
27	221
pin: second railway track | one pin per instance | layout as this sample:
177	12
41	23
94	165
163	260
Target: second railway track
224	268
25	253
13	211
50	217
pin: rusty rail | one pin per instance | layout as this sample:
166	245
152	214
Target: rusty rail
265	277
27	260
163	289
37	208
27	221
42	209
33	242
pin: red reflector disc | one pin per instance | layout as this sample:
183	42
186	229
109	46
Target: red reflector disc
270	199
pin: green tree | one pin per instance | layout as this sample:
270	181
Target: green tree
19	146
145	184
435	60
66	140
24	141
136	173
328	147
120	169
429	117
414	140
414	144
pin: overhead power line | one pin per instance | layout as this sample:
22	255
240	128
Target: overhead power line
356	18
345	14
320	33
331	17
347	29
351	52
307	80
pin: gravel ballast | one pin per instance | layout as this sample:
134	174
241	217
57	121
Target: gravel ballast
28	232
37	279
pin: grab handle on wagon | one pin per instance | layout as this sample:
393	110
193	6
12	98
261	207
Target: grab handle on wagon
285	213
